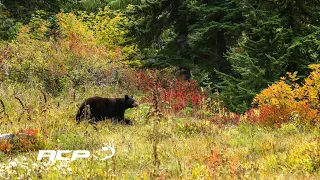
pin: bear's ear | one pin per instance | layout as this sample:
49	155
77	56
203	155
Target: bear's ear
132	96
126	97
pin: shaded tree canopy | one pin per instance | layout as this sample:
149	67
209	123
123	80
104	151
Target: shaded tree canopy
188	33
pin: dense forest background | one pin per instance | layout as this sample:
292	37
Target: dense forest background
238	47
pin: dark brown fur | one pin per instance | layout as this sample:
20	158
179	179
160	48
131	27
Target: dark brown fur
101	108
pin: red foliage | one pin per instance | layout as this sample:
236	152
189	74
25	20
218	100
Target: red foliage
268	115
32	132
6	146
282	102
217	162
226	118
23	140
175	93
253	115
233	167
277	115
213	161
5	53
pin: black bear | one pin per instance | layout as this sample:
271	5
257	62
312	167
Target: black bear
99	108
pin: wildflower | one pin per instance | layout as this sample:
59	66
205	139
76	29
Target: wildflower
34	165
13	164
70	170
24	159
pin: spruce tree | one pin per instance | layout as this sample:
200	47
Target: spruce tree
202	31
280	37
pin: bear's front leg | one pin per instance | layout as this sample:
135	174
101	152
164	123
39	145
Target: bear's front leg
128	122
123	120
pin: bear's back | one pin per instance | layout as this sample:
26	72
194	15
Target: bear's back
110	106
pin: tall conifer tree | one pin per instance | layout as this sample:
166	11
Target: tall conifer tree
281	36
202	30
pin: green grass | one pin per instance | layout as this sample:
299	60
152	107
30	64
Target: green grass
189	148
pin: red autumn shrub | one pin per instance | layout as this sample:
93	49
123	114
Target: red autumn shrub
253	115
23	140
282	102
175	93
218	163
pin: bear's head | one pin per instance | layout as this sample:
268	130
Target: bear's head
130	102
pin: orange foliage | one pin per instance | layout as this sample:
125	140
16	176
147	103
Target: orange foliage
217	162
281	102
24	140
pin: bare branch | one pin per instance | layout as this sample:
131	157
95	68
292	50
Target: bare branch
16	97
44	96
3	107
74	95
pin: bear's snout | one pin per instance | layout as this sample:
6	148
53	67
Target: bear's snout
135	104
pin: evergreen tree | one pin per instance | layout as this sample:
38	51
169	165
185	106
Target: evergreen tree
196	33
280	37
121	4
6	24
22	10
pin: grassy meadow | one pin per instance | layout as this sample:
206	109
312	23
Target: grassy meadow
188	147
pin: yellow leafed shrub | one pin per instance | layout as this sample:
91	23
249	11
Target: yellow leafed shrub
282	102
67	51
